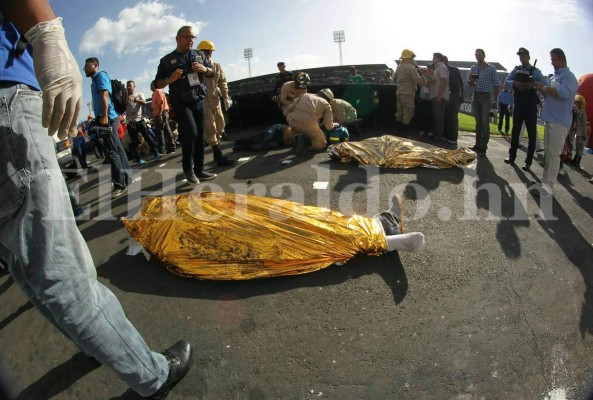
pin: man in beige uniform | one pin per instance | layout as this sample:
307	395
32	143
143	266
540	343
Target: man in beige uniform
343	112
290	91
216	88
304	115
407	77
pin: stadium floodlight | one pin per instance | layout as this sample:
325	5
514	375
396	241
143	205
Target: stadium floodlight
248	55
339	38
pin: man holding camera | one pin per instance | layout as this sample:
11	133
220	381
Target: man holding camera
523	77
184	70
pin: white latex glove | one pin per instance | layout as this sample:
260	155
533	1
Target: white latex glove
58	76
228	103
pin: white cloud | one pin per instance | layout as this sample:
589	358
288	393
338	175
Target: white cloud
302	61
136	30
567	12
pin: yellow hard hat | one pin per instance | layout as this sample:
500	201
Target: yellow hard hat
580	98
206	45
407	54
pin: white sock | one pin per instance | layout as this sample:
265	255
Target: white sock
412	241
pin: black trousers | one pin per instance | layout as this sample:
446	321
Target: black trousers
190	118
140	128
525	111
504	113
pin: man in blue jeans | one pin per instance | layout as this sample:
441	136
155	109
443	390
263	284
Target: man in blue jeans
107	123
39	241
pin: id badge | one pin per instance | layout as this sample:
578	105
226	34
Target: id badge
194	80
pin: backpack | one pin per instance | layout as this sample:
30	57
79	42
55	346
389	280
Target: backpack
119	96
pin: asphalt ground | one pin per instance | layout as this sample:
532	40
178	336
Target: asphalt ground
498	305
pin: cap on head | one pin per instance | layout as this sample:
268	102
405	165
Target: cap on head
522	50
301	80
89	116
406	53
327	93
206	45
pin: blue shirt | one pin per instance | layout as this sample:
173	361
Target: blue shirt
101	81
12	68
559	110
487	79
505	98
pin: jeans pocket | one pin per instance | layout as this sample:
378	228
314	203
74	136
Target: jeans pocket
14	178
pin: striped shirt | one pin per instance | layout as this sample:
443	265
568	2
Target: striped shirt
488	78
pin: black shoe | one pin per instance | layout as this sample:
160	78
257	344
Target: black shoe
474	148
180	357
481	153
240	147
509	160
299	144
224	162
191	177
118	192
205	176
526	167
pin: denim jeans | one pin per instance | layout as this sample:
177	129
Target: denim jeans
47	255
121	174
481	109
164	134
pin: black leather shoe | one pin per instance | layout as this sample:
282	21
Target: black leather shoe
509	160
180	357
526	167
191	178
205	176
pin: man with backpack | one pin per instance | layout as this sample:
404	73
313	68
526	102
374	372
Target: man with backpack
107	123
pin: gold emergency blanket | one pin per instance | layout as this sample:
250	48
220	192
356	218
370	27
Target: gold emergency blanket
392	152
227	236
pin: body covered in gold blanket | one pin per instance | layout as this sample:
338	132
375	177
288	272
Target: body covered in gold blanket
391	152
226	236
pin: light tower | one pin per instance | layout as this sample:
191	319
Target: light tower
248	55
339	38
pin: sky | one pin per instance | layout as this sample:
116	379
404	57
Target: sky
130	36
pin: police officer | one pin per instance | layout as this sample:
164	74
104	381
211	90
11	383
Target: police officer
522	78
184	70
281	77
